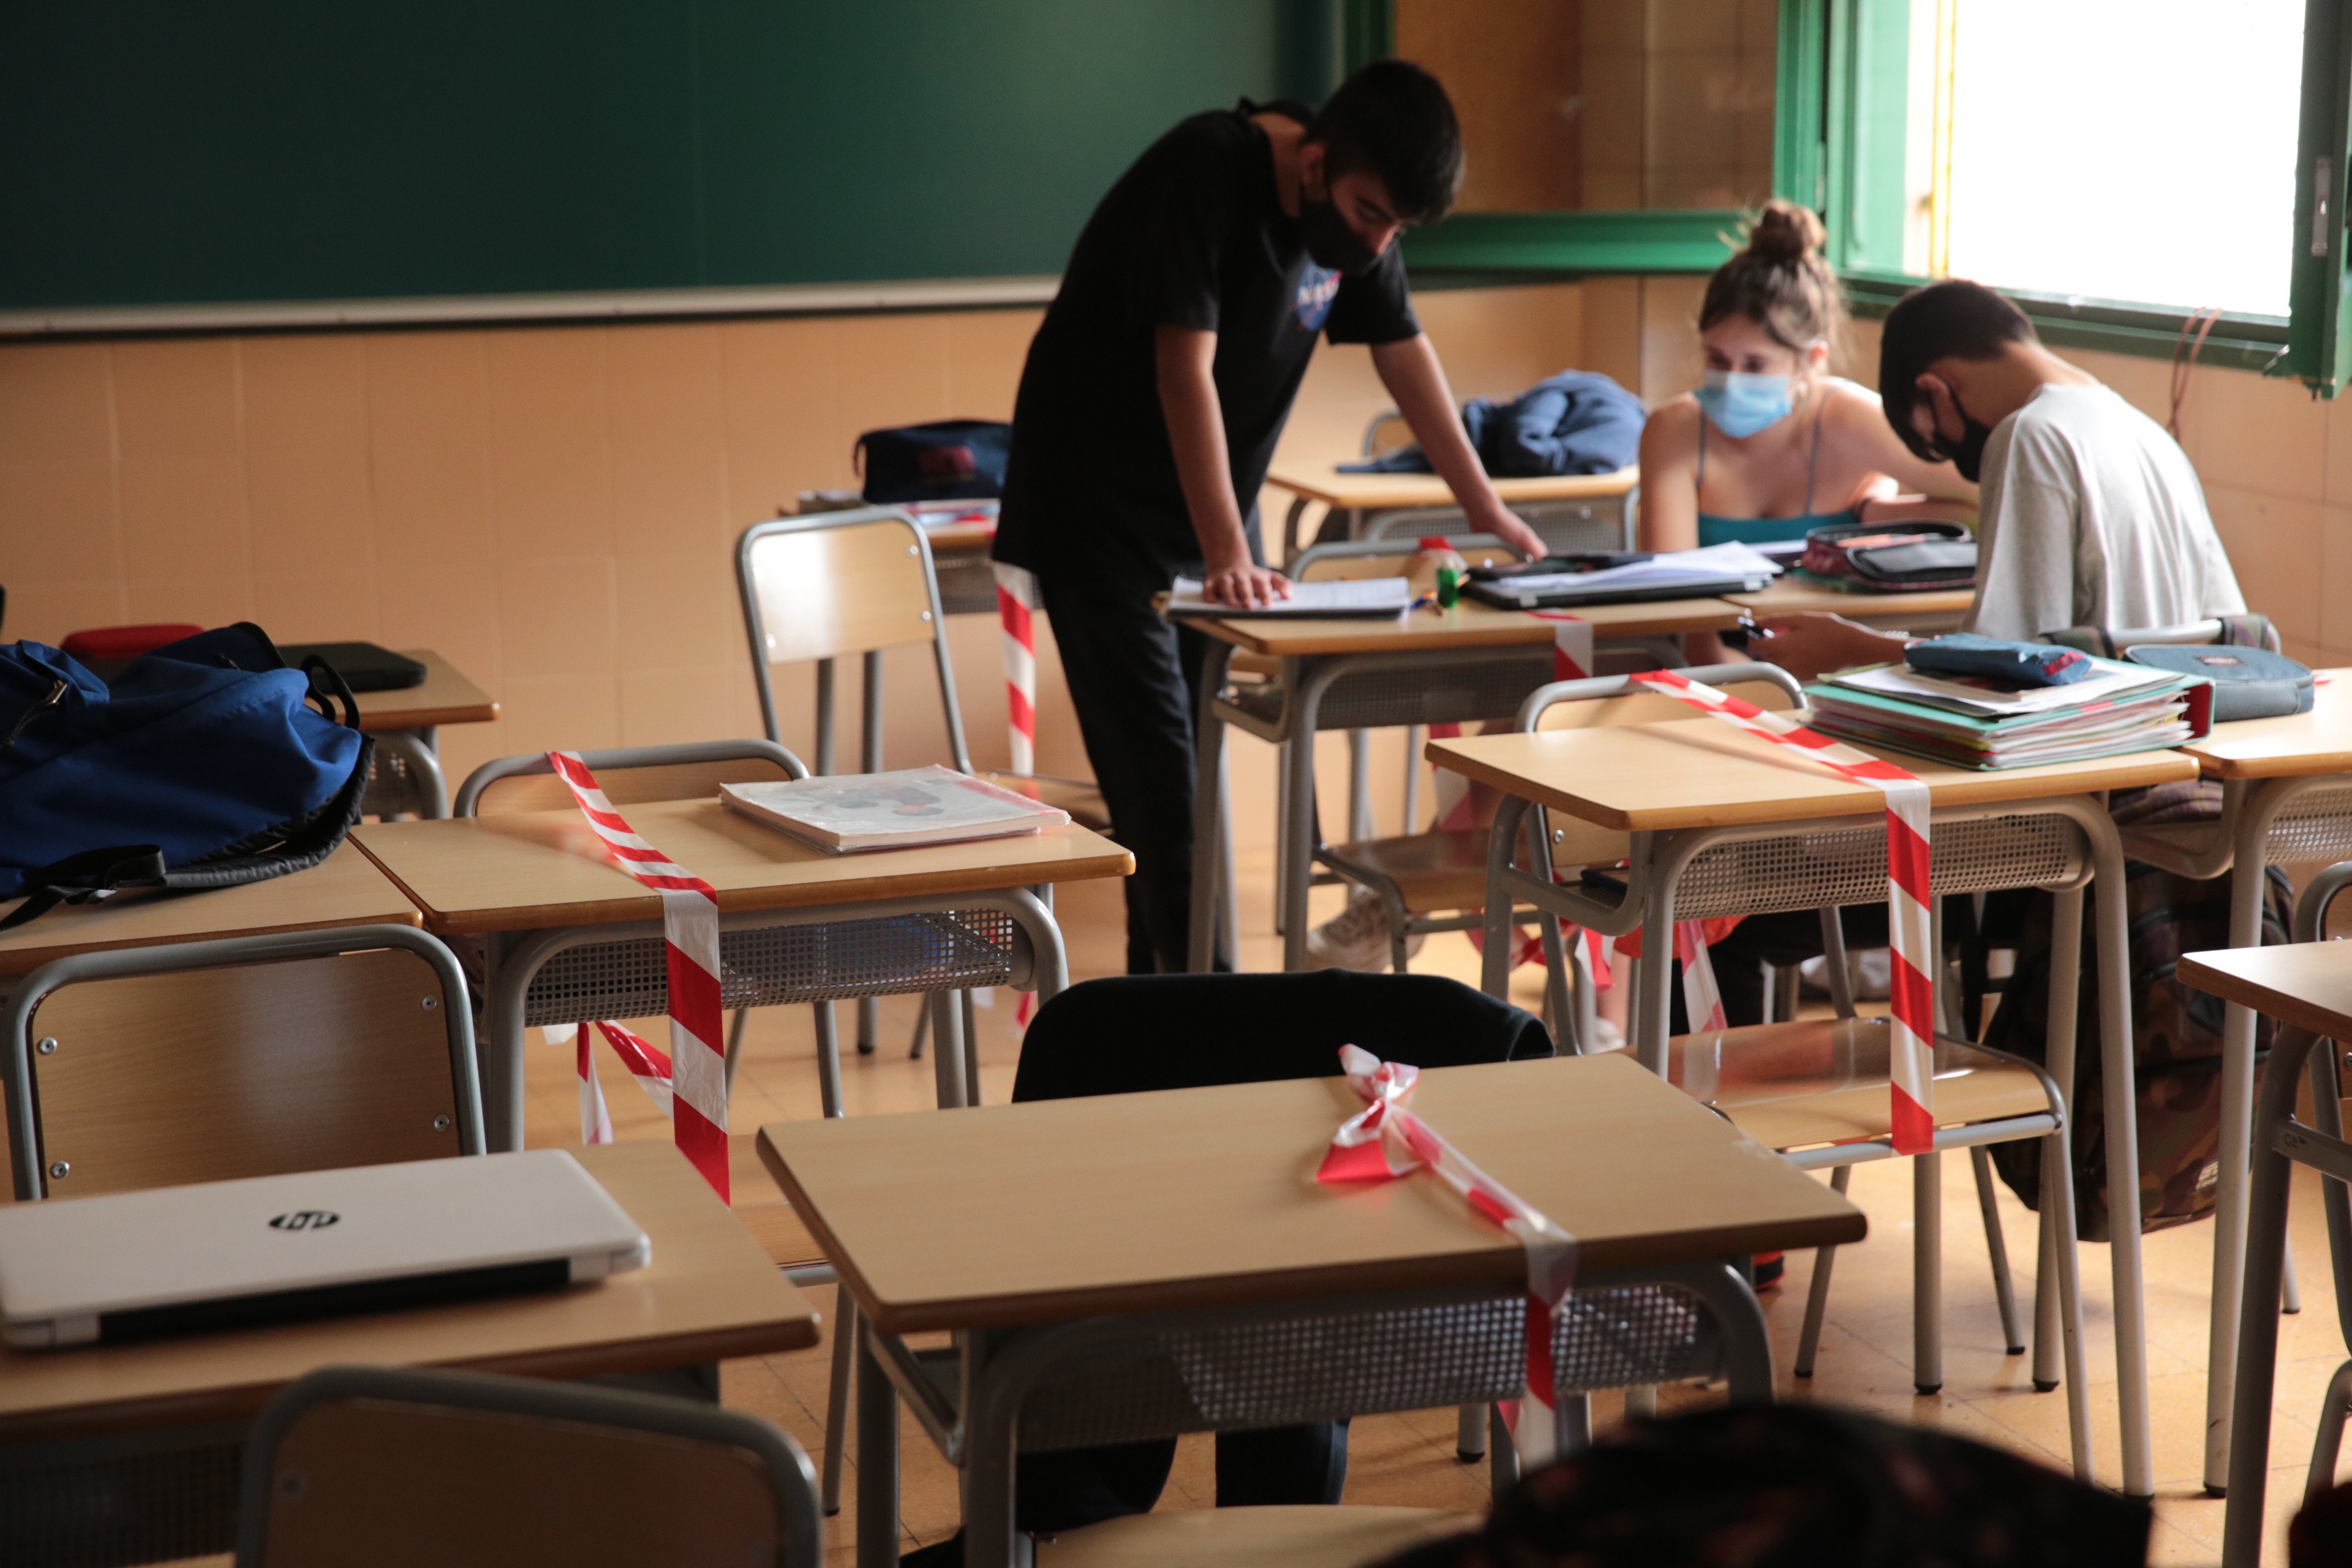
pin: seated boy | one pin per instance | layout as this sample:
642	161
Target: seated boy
2089	515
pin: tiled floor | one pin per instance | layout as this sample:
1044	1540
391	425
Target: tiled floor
1866	1356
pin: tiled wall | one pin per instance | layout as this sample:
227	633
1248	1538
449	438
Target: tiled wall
553	508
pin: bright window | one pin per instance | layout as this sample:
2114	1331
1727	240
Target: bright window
2142	152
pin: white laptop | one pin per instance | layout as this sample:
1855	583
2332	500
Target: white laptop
268	1250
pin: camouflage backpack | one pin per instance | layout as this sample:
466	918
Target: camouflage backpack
2175	1046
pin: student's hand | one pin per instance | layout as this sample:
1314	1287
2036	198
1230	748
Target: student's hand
1504	525
1244	586
1808	647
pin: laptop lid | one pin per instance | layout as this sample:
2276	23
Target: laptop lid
314	1244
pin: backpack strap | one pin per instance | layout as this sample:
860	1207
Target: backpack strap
91	875
2093	640
2246	630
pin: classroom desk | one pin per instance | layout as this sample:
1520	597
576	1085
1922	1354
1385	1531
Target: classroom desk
344	890
960	562
408	764
1356	497
567	936
2308	986
1463	665
710	1294
1724	823
1940	611
1068	1223
2286	795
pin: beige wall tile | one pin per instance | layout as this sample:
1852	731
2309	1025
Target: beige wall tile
428	433
1612	120
176	397
1611	321
1678	187
213	600
1613	24
2334	628
2257	433
453	612
666	707
318	605
59	522
306	453
1693	120
1672	361
679	609
1759	27
668	442
555	617
986	349
1612	190
781	416
184	515
55	403
550	490
889	370
2274	544
1693	24
50	612
2338	480
573	712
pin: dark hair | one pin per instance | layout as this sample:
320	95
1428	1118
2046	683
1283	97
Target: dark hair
1951	319
1394	119
1780	281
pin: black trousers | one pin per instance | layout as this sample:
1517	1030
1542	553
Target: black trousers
1134	680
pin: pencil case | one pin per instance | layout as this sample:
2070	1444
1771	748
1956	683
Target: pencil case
2018	663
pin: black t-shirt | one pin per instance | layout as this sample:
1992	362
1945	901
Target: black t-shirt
1194	236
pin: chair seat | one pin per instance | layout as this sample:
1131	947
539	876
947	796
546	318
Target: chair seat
1447	869
1823	1080
1081	799
1304	1537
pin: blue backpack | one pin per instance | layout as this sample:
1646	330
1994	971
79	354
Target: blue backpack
205	765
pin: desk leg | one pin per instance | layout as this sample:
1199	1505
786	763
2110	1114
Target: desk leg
2247	880
947	1048
1208	810
1298	837
877	1459
2123	1158
500	1045
1360	784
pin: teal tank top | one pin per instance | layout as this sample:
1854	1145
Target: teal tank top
1717	530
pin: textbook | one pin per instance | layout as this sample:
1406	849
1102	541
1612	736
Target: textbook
1972	723
846	813
1674	575
1382	598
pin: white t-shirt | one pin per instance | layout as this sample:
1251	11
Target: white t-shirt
2090	515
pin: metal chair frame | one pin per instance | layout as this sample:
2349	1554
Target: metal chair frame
2089	853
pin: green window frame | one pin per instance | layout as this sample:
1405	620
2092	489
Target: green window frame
1840	122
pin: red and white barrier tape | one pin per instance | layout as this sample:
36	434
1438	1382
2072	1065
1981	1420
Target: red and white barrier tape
691	938
1385	1141
1017	611
1571	643
645	1061
1911	1064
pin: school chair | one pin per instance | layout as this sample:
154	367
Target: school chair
149	1067
377	1467
820	586
1814	1092
1136	1381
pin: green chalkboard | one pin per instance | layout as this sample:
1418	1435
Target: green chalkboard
185	151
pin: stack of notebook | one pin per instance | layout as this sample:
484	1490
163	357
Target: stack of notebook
1978	722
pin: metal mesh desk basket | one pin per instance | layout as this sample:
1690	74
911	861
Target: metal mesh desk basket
143	1498
2317	824
1848	865
393	789
1425	694
1330	1365
774	965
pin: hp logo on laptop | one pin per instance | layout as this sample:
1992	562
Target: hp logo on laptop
305	1219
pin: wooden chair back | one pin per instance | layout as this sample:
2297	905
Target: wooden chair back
827	591
211	1074
392	1482
514	792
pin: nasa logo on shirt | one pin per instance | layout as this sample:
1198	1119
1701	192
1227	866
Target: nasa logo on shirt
1317	288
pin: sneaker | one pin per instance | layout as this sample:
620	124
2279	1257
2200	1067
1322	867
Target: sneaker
1870	971
1606	1036
1356	938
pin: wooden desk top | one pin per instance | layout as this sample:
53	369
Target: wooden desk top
445	697
2297	746
1325	482
1785	598
2308	984
1055	1209
1467	625
346	889
542	868
960	537
710	1293
1703	772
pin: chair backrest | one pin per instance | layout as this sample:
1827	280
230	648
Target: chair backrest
1184	1031
1615	699
1386	433
1565	527
256	1056
822	586
1355	559
373	1467
2238	631
505	785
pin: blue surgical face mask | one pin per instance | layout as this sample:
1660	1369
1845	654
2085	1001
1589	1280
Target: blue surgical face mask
1741	404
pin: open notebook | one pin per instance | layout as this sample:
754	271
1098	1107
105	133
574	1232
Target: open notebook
849	812
1383	598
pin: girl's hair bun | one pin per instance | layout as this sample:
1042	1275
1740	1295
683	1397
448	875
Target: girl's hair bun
1784	232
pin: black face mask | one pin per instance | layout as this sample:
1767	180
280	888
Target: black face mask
1329	241
1967	453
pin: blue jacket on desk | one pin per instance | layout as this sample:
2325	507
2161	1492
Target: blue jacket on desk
1578	422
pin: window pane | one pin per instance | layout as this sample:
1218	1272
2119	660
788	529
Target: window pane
1599	105
2141	152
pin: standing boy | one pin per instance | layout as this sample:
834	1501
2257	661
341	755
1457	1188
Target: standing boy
1155	392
